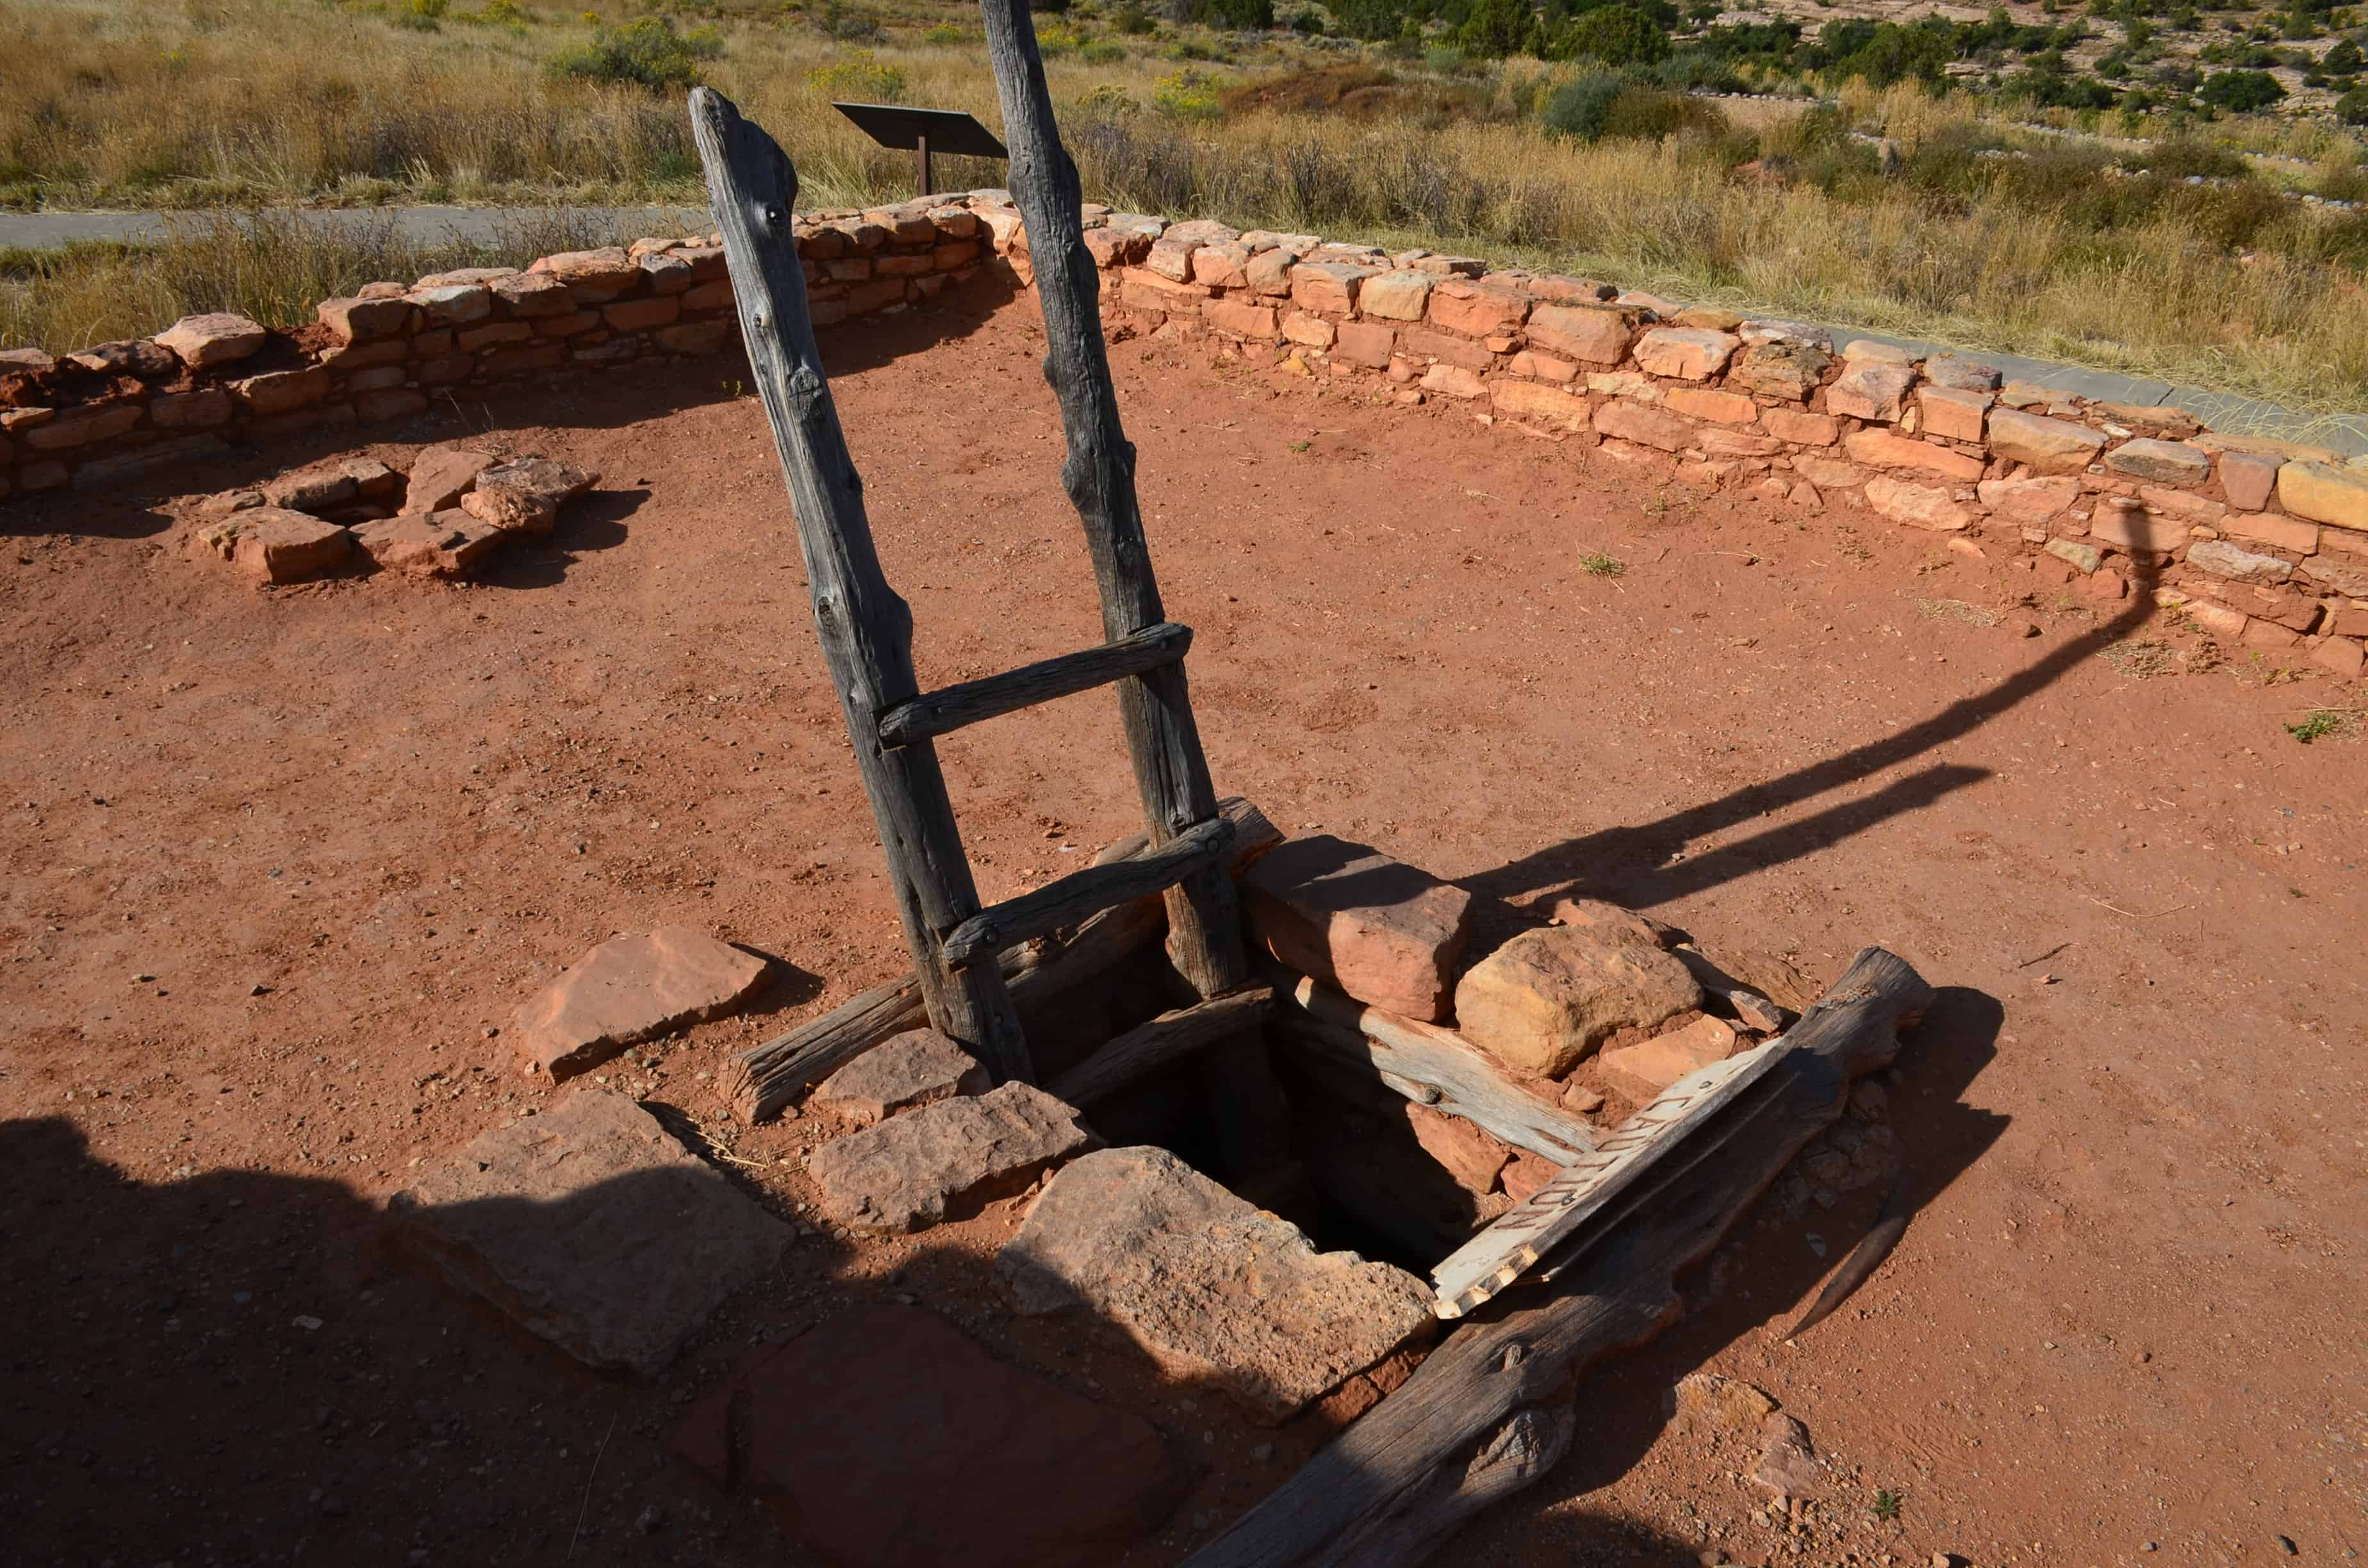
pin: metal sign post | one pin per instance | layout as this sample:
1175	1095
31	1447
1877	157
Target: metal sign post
925	130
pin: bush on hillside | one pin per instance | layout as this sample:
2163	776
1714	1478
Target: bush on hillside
1613	105
645	52
2240	92
2352	109
1616	35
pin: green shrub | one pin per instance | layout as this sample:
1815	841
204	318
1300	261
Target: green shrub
2343	60
1101	51
1581	108
1135	21
1616	35
646	51
2240	92
2352	109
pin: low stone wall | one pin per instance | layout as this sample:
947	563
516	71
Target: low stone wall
124	410
2263	543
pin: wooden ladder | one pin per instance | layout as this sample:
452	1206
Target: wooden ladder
865	629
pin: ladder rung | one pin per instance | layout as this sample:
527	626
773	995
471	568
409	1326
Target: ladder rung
1171	1035
1088	892
937	712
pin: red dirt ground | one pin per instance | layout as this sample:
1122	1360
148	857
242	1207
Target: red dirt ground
278	862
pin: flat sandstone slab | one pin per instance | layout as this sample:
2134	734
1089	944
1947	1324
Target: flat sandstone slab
916	1068
630	989
1384	932
592	1227
1212	1287
911	1171
889	1439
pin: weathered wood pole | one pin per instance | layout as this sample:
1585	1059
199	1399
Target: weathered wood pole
866	629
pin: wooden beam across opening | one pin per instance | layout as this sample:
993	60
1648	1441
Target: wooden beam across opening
1200	848
936	713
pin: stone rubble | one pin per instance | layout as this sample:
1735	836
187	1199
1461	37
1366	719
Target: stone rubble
632	989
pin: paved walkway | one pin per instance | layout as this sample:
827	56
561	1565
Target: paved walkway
2344	434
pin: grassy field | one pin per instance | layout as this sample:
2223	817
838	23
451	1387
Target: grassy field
1963	224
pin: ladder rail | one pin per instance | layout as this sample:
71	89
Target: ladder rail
865	629
953	708
1088	892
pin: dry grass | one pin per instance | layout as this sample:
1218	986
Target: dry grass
245	101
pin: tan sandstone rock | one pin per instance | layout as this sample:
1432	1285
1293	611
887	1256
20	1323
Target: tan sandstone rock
632	989
914	1170
1384	932
1546	998
1642	1071
218	338
916	1068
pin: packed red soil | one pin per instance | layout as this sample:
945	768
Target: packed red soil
277	864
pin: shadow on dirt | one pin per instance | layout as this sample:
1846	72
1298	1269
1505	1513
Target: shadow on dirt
1633	865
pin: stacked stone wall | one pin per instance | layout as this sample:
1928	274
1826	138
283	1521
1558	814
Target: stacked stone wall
2263	543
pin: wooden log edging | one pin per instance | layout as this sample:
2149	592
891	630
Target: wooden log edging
1490	1409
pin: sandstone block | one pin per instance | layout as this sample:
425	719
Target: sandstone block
1314	331
1328	285
1642	1071
1455	381
2170	462
593	1228
190	411
1364	342
1867	351
609	268
715	296
2222	559
1462	1150
524	494
2049	446
311	490
439	544
1721	407
637	315
916	1068
1884	449
453	304
1394	296
1801	428
1428	343
1920	505
1685	353
1214	1289
665	273
442	475
632	989
359	321
1597	338
2248	479
2183	506
1828	474
1961	374
2343	655
2325	493
533	295
2072	552
218	338
1547	998
137	357
1384	932
81	426
1242	319
1542	367
1648	427
2028	501
277	391
887	1438
1876	391
1780	368
2275	529
1526	400
1953	412
913	1171
2128	526
271	545
1269	272
1476	306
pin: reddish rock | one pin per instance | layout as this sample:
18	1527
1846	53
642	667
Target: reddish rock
1883	449
271	545
1642	1071
887	1438
1526	400
1430	344
1476	306
1953	412
916	1068
81	426
1312	332
1721	407
311	490
943	1159
442	544
2032	502
1685	353
1113	248
1528	1171
1803	429
1463	1150
1455	381
1215	1290
1328	285
2275	529
137	357
279	392
1609	919
2127	525
1384	932
2222	559
632	989
360	321
1920	505
2343	655
1597	336
1876	391
607	269
592	1227
1241	318
219	338
524	494
1546	998
2170	462
1780	368
442	475
2049	446
1646	427
2248	479
1395	296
